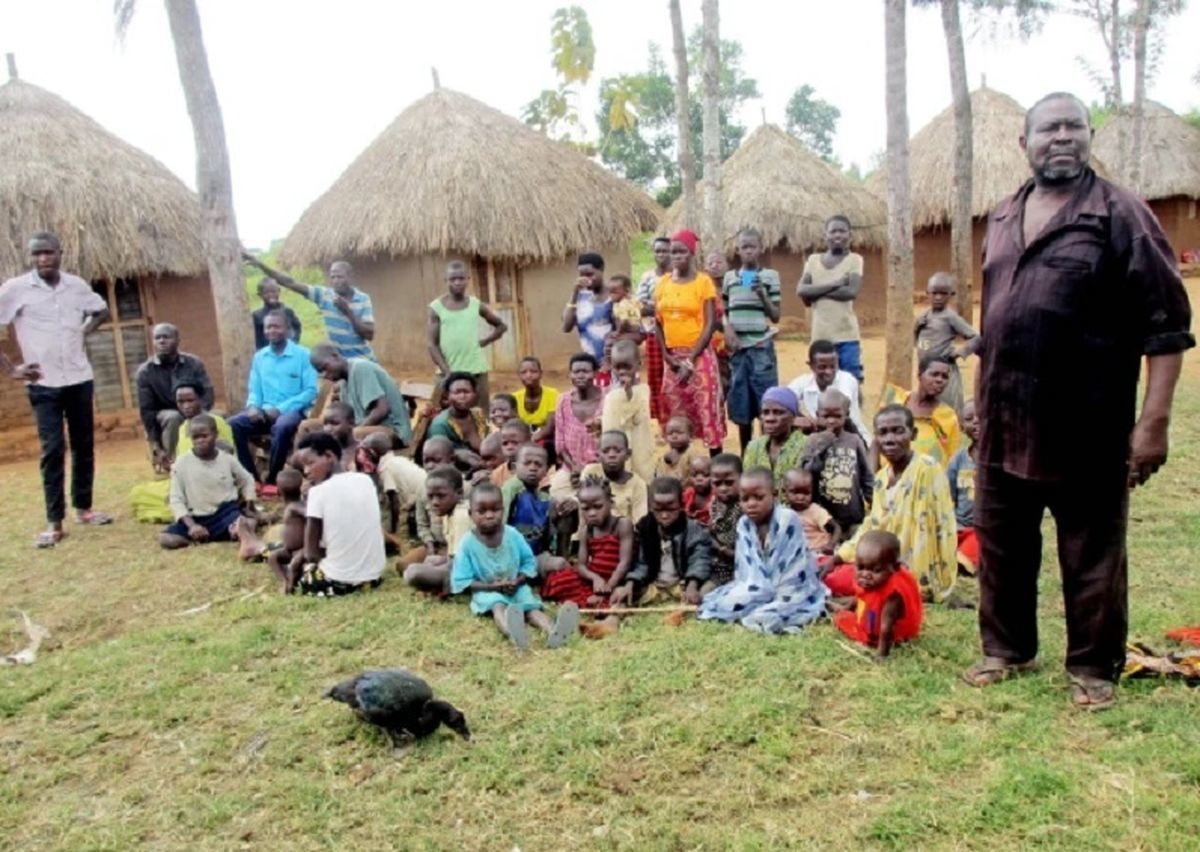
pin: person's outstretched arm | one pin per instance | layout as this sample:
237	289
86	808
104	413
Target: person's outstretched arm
280	278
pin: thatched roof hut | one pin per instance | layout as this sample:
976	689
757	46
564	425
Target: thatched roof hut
1170	180
451	176
127	224
777	186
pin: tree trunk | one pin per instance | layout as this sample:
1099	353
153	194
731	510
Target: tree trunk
1141	24
687	166
962	249
215	187
714	200
1117	97
899	356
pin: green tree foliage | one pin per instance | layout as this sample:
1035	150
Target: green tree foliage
1193	118
637	117
572	56
813	121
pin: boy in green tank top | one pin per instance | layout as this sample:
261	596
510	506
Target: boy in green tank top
453	330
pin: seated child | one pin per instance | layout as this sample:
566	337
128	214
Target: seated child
513	435
437	452
251	546
536	404
343	541
911	501
674	553
605	551
491	457
626	408
400	482
628	490
289	547
821	531
888	606
698	497
776	587
528	508
502	409
839	463
209	490
936	330
444	492
495	564
338	421
677	458
724	513
960	474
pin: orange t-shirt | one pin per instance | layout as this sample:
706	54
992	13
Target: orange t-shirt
680	308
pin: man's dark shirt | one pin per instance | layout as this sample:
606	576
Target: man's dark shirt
259	316
1065	322
156	383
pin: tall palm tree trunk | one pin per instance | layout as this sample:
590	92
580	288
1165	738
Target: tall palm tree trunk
714	201
899	356
687	166
215	186
962	250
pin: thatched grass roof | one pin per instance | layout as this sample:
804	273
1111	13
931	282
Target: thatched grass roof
1000	167
1170	152
117	210
453	175
776	185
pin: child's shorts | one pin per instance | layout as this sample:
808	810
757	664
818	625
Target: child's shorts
314	582
753	371
849	354
217	524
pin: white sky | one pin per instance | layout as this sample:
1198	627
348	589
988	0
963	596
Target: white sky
305	85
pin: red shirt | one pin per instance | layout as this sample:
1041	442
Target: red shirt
862	625
698	508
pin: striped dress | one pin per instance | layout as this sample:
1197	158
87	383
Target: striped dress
565	584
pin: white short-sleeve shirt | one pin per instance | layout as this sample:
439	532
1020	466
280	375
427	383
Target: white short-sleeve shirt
49	323
351	532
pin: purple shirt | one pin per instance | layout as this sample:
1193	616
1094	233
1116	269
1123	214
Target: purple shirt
49	322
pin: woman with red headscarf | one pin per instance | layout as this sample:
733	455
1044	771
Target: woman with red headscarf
685	306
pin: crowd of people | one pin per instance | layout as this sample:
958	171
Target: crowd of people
618	493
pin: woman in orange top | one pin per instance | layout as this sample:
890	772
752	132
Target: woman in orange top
685	306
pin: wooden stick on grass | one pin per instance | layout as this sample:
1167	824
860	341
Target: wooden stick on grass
636	610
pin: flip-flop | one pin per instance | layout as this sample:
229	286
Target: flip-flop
93	519
514	625
565	625
992	670
1092	694
48	538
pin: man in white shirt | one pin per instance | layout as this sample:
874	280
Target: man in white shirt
52	311
343	537
823	360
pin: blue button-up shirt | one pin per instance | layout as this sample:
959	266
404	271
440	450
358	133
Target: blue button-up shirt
286	381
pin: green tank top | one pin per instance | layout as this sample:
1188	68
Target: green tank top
459	338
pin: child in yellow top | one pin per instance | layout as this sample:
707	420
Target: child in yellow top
626	409
676	460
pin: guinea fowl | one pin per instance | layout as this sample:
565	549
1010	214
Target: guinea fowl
399	702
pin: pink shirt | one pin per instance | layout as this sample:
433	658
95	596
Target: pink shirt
49	323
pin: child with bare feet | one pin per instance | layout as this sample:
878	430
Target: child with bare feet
698	497
680	451
605	551
887	606
210	491
444	492
252	546
290	546
725	511
496	566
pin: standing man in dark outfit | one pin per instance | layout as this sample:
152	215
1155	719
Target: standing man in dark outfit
1079	283
52	312
156	381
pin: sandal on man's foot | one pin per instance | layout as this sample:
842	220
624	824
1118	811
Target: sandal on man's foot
991	670
514	626
1092	693
48	538
565	625
93	518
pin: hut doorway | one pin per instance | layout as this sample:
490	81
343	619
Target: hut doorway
499	284
119	346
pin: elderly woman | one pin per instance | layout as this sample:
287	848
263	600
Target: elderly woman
937	432
685	306
781	444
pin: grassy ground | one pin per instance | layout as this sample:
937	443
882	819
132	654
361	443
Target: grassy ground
154	726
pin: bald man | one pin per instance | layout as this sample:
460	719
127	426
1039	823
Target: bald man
156	381
347	311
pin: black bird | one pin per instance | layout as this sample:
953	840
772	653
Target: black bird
399	702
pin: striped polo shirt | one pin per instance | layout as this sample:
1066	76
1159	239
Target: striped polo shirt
744	309
341	333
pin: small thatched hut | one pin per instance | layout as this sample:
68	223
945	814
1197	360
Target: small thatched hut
774	184
1000	167
452	177
1170	180
127	224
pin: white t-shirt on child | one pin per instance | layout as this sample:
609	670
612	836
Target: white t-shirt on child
351	533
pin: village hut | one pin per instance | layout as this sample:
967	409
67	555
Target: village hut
774	184
1170	179
453	178
998	170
